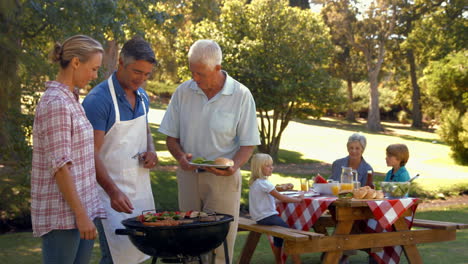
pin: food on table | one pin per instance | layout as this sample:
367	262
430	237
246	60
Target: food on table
360	193
379	194
319	179
345	195
284	187
367	192
395	189
370	194
223	161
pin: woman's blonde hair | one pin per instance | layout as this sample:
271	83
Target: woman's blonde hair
399	151
80	46
256	165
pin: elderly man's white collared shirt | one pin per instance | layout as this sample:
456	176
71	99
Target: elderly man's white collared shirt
212	128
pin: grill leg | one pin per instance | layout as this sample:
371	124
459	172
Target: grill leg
155	259
226	252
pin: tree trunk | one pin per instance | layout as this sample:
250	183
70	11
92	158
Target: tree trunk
10	92
417	115
350	113
373	119
109	62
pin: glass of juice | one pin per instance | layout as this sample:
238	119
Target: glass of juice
304	184
335	188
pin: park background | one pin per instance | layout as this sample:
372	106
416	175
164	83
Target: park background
393	70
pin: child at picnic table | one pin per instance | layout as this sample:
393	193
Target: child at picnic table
397	157
262	200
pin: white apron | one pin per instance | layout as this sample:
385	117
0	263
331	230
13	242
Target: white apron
121	143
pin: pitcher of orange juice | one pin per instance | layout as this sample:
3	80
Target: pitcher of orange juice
347	179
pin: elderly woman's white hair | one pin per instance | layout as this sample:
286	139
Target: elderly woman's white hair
205	51
357	137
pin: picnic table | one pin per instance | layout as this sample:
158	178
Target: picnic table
390	220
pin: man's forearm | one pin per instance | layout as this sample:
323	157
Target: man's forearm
150	143
174	147
242	156
103	178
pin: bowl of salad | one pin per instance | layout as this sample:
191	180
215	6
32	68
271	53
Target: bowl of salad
393	190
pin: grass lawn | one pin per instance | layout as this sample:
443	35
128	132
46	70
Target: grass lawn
311	142
22	248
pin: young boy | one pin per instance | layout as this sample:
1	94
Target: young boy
397	156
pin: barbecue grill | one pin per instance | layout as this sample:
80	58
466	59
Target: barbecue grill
180	243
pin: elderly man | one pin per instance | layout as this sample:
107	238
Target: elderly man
124	151
210	116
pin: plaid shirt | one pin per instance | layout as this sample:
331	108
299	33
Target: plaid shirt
62	134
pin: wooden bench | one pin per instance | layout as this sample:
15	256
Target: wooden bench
257	230
438	224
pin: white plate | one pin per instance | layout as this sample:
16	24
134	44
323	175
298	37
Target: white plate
289	192
209	165
311	194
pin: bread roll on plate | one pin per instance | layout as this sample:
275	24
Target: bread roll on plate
370	194
359	193
379	194
223	161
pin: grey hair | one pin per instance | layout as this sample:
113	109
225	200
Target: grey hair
357	137
206	52
137	49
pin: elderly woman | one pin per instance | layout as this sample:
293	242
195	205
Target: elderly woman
356	145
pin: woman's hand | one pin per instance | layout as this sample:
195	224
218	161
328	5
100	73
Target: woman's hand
86	227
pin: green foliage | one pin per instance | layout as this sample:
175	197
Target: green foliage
160	88
280	53
453	130
361	98
447	80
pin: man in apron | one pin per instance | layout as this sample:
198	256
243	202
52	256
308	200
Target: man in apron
117	108
210	116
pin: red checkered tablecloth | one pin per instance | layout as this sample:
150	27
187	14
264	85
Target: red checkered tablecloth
304	214
386	213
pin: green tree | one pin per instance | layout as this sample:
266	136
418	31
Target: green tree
447	80
370	35
281	54
404	50
347	63
28	31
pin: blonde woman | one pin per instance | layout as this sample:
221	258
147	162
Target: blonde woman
64	195
262	199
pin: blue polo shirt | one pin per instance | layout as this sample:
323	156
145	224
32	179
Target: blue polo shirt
100	110
401	175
